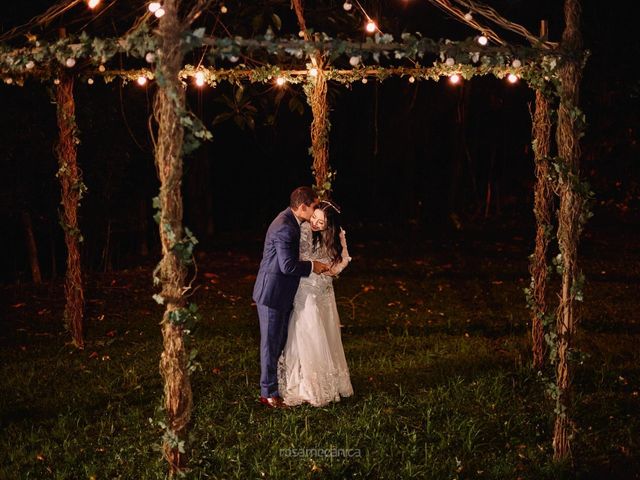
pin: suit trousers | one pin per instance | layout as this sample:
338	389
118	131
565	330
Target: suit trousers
273	337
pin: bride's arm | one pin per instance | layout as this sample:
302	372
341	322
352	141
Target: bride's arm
338	267
306	242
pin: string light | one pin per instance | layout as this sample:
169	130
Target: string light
412	79
371	26
512	78
93	4
280	81
159	12
70	62
468	17
482	40
223	9
450	61
30	64
347	6
313	72
56	81
516	63
90	81
454	79
150	57
102	68
142	80
200	79
154	7
364	80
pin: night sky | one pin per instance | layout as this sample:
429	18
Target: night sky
404	153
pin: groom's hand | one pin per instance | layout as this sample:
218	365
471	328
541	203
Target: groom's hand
319	267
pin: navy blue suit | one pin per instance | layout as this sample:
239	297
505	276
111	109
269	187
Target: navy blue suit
274	291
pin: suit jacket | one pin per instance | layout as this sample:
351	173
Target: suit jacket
280	268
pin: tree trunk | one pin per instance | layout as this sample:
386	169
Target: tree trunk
542	210
72	189
32	248
169	101
571	207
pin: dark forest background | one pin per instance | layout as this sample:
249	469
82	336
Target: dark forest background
427	155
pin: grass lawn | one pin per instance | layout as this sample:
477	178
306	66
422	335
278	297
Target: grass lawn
436	336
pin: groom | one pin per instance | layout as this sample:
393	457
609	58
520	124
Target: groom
276	286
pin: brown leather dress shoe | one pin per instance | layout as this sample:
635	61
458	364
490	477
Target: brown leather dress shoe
273	402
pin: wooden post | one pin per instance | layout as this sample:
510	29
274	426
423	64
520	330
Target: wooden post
569	225
72	189
169	101
541	132
316	92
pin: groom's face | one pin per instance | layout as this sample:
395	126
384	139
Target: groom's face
305	211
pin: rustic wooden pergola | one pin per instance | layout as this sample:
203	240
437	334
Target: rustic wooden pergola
553	70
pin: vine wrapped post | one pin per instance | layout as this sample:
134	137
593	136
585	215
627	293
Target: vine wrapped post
320	129
72	190
542	210
570	219
316	91
169	101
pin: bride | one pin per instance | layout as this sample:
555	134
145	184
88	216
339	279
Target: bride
312	368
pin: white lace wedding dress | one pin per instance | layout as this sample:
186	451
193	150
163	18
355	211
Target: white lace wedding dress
312	368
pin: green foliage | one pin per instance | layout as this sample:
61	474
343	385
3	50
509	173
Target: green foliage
186	317
183	248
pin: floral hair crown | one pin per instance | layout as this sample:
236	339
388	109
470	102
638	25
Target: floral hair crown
329	204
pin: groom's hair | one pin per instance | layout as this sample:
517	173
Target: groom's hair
302	195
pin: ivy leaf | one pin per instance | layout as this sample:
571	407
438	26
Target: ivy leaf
158	298
276	21
199	33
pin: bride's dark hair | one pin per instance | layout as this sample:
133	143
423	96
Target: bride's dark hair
330	236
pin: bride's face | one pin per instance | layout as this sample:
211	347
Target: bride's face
318	220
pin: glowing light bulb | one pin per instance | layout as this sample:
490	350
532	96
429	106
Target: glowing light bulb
516	63
154	7
412	79
70	62
90	81
364	80
102	68
30	64
150	57
482	40
56	81
313	72
280	81
454	79
223	9
371	26
142	81
200	79
468	16
159	12
512	78
347	6
93	4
